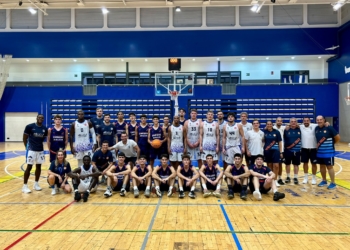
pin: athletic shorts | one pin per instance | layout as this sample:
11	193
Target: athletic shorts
209	152
142	187
185	187
194	153
83	186
175	157
250	160
230	153
37	157
326	161
144	150
308	154
57	181
262	189
80	155
210	186
164	187
130	159
155	153
119	186
272	156
291	157
237	188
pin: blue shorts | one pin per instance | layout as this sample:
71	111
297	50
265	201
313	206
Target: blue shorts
308	154
119	186
326	161
291	157
272	156
144	150
155	153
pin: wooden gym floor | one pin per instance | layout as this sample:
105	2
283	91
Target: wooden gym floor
308	218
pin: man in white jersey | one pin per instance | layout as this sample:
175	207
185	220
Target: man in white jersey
254	142
192	137
175	142
209	131
233	133
278	125
221	122
79	133
85	179
247	126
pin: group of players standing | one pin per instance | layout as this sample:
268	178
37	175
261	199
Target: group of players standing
183	140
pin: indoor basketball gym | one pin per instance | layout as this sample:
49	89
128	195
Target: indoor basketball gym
271	59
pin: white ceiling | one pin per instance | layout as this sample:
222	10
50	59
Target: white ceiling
158	60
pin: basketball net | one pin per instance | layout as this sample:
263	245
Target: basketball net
174	97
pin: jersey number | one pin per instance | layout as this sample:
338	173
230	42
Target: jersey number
194	129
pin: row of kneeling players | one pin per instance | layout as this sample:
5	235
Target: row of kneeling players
85	179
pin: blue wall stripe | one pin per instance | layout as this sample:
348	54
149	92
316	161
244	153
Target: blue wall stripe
238	244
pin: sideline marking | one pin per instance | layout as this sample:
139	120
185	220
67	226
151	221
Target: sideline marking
238	244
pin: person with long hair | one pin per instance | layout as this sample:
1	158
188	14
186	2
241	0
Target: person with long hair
58	171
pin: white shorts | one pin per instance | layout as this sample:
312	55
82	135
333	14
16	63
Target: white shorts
37	157
176	157
194	153
84	186
230	153
209	152
80	155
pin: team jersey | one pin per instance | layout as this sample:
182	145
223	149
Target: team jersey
182	122
132	130
141	171
96	122
237	171
263	170
107	133
209	136
120	127
164	173
193	131
142	134
86	172
232	136
308	136
36	136
325	141
272	138
177	145
292	139
188	173
281	129
102	159
156	133
221	133
82	140
119	169
57	139
246	127
60	169
210	173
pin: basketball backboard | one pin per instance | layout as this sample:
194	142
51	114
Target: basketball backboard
183	83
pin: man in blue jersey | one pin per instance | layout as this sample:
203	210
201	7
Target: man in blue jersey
273	148
57	138
97	121
121	125
107	132
262	180
132	126
237	178
155	132
211	175
141	177
103	160
118	177
188	176
33	138
182	114
326	137
164	176
142	137
292	147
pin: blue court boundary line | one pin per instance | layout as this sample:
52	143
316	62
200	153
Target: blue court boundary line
238	244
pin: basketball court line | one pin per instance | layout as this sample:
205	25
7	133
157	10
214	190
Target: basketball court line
169	231
38	226
234	236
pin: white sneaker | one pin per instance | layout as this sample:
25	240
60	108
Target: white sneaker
25	189
313	182
305	180
37	187
257	195
57	190
53	192
277	184
108	193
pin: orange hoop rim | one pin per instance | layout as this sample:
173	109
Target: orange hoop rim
174	93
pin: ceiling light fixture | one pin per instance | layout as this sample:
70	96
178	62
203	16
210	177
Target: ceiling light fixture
178	9
105	11
243	58
267	58
338	5
74	60
33	11
194	59
256	6
146	60
293	57
319	57
122	60
218	59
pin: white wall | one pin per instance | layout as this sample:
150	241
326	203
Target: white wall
258	70
344	110
15	123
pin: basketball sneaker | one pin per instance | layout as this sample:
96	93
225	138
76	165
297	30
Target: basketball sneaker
230	195
53	192
77	196
108	193
244	195
313	182
25	189
206	193
148	192
280	181
136	193
158	192
277	196
296	182
287	180
257	195
322	183
37	187
122	192
305	180
217	193
86	196
181	194
170	192
277	184
331	186
192	195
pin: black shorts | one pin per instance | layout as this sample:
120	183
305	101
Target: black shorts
57	182
308	154
237	188
186	188
155	153
142	187
251	160
119	186
211	186
326	161
291	157
262	189
130	159
164	187
272	156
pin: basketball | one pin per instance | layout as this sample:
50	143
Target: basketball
156	143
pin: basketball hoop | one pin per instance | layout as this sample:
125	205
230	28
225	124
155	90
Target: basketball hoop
347	100
174	95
